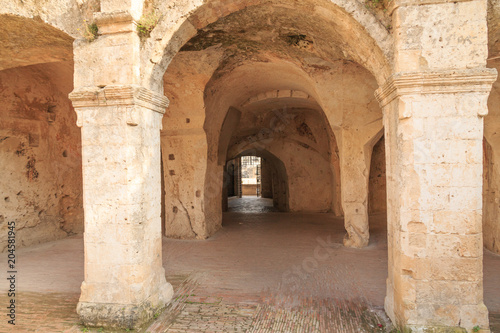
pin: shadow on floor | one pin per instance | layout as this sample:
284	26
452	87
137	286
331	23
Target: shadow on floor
251	204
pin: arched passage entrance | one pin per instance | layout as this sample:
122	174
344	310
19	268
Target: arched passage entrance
271	180
315	112
422	81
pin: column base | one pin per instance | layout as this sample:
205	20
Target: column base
123	316
439	329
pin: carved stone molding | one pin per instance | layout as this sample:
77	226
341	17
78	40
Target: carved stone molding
130	95
391	6
114	22
444	82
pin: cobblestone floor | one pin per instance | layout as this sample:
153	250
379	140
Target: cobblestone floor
260	273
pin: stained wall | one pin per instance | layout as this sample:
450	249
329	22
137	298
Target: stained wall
40	154
377	195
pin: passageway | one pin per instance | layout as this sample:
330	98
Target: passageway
250	204
364	141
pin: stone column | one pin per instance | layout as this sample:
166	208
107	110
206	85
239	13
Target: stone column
433	133
124	277
433	105
356	146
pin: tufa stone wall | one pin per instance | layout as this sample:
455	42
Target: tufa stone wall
377	194
40	154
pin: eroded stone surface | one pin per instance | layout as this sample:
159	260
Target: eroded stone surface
320	59
40	149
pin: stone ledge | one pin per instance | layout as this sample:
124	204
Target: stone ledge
393	5
435	329
114	22
130	95
119	95
443	82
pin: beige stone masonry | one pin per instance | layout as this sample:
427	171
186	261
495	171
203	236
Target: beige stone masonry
118	95
124	279
453	81
434	132
356	150
114	22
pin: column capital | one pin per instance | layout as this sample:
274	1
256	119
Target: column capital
114	22
436	82
393	5
122	95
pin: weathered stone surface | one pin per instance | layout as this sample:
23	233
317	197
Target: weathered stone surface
300	77
40	155
132	286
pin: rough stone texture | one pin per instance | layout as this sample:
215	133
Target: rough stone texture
369	44
124	278
491	227
377	200
40	155
65	15
326	57
266	179
295	136
435	230
491	193
28	42
434	133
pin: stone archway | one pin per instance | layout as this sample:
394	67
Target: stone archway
422	87
278	180
371	45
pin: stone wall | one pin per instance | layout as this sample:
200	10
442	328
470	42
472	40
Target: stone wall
40	154
377	196
249	189
266	179
300	141
491	168
491	199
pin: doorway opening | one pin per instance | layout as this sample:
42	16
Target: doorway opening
254	184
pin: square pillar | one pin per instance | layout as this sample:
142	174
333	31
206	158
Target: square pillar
356	146
434	135
124	278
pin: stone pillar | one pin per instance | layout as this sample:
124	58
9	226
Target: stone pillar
124	277
433	133
433	105
356	146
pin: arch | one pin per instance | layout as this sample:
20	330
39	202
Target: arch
362	37
236	88
28	42
67	16
281	192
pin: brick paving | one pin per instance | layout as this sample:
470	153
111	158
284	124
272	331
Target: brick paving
260	273
42	312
